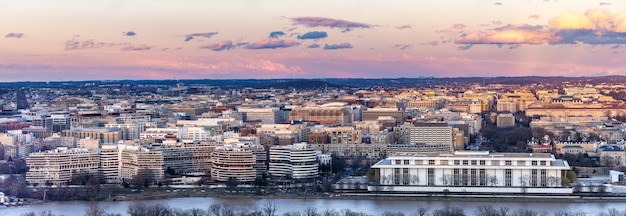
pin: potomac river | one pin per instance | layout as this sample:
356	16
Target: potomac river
369	206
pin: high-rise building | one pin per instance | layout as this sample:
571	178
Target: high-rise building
297	161
236	161
267	115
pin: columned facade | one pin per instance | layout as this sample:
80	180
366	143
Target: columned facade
475	172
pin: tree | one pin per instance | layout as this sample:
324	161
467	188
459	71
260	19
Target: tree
269	209
232	182
524	182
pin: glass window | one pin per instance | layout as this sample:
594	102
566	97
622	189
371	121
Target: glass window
457	162
543	163
406	162
443	162
534	163
465	162
507	163
397	162
521	163
431	162
495	163
473	162
482	162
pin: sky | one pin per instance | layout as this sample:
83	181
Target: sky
61	40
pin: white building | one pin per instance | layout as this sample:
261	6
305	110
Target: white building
471	172
297	160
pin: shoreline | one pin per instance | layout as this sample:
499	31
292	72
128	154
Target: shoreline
365	196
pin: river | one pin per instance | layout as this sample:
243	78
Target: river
373	207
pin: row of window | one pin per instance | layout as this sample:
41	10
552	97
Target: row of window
473	162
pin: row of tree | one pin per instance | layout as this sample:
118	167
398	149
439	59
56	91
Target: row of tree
270	209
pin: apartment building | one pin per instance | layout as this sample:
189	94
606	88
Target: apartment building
104	135
135	160
57	166
297	161
267	115
471	172
236	161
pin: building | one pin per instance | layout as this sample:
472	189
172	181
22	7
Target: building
297	161
343	135
59	165
268	115
505	120
137	160
336	115
235	161
426	133
373	114
128	131
104	135
471	172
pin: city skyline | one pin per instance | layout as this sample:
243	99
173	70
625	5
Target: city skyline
92	40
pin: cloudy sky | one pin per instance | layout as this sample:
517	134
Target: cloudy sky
57	40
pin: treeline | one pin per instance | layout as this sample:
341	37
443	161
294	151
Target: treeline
270	209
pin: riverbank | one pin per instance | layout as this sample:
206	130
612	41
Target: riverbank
369	196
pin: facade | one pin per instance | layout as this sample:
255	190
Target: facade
104	135
57	166
269	115
235	161
373	114
137	160
335	115
343	135
505	120
429	134
471	172
297	161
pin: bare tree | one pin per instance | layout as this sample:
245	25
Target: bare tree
524	181
504	211
216	209
310	211
421	211
95	210
486	210
449	211
492	180
414	180
446	179
269	208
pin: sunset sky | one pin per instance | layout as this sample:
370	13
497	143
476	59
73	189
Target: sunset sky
58	40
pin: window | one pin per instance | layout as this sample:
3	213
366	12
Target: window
507	178
431	176
456	177
533	177
465	162
397	162
419	162
542	163
406	162
507	163
465	177
483	177
431	162
544	178
495	163
443	162
396	176
457	162
473	180
521	163
405	176
473	162
482	162
534	163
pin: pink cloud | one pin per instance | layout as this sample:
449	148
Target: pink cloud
14	35
534	16
458	26
189	37
403	27
223	45
272	43
327	22
136	48
76	44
